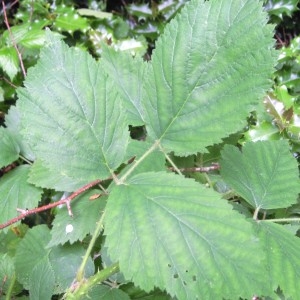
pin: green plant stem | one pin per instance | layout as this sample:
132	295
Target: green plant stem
25	159
282	220
86	286
99	227
170	161
137	162
10	288
255	214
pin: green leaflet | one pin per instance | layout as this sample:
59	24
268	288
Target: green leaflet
44	177
71	115
9	148
209	69
31	250
12	122
128	74
65	261
282	257
7	274
170	232
41	280
9	62
265	174
52	269
16	192
86	213
104	292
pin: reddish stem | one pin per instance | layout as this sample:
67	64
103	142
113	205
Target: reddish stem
26	213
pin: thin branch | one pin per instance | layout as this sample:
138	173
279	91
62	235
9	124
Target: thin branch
283	220
137	162
8	82
255	214
213	167
99	228
26	213
174	167
13	39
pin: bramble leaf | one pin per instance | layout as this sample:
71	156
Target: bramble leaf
16	192
7	274
65	261
104	292
170	232
12	122
128	75
86	213
59	263
282	257
41	280
9	148
31	251
41	176
73	118
209	69
265	174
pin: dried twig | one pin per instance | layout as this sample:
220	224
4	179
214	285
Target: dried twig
25	213
13	39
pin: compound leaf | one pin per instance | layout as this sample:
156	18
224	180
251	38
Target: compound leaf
170	232
282	258
265	174
16	192
209	68
71	114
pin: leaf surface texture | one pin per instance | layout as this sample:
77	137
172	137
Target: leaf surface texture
212	60
265	174
170	232
73	118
